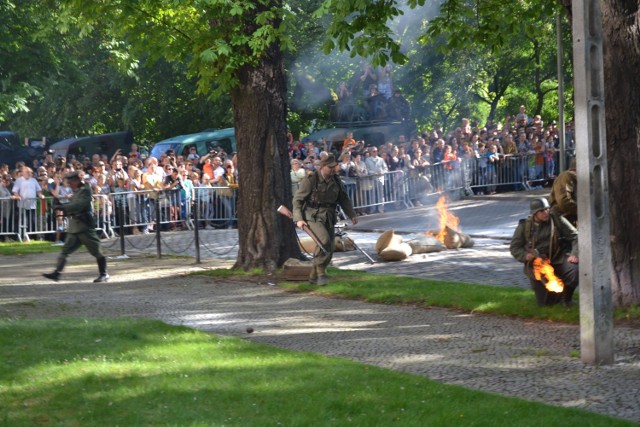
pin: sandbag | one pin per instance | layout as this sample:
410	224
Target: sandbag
344	245
466	241
396	252
341	245
387	238
307	245
452	239
425	244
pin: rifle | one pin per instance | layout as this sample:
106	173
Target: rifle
282	210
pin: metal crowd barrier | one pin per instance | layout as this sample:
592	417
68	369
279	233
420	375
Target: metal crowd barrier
409	187
135	212
9	222
130	212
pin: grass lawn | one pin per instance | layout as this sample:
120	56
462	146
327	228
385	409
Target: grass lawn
31	247
390	289
75	372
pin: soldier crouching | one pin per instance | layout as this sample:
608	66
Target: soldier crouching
548	236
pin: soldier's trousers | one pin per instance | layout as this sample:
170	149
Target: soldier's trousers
568	273
326	234
88	238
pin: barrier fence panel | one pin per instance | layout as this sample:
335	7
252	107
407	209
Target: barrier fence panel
9	222
216	206
135	212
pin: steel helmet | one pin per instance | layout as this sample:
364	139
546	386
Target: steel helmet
538	205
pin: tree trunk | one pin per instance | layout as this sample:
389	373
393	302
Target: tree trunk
622	103
621	61
267	239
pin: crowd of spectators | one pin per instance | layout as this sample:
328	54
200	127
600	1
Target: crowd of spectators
489	147
28	188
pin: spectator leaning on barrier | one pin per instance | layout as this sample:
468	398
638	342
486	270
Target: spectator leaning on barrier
26	190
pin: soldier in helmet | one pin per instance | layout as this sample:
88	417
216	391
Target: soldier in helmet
551	237
314	204
81	228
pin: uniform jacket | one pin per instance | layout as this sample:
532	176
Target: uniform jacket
316	199
552	240
79	210
563	193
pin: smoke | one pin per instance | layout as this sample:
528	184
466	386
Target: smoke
315	77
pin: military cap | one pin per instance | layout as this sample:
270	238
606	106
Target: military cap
330	161
73	175
538	205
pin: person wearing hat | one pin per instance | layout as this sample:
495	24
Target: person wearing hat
81	230
551	237
314	204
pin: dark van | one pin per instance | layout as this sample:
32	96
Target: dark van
205	142
87	146
12	152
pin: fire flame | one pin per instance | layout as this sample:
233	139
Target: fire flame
447	219
542	267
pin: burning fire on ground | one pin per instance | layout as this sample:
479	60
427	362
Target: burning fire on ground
543	271
449	233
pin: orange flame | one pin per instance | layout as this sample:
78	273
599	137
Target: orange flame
447	219
542	267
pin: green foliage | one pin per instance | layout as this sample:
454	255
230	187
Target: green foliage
161	68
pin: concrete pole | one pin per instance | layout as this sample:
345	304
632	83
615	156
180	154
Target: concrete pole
561	126
596	306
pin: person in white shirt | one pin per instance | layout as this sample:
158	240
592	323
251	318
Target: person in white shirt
377	166
26	190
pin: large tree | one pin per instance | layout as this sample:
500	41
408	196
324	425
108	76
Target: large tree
232	46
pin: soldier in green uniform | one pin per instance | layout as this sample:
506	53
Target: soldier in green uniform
81	228
563	196
314	204
551	237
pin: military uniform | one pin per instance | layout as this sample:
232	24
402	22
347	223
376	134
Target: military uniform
554	240
81	230
315	202
563	198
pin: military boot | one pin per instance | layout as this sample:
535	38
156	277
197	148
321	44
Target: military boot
102	267
313	276
322	277
55	276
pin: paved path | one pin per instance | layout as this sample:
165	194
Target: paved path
529	359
